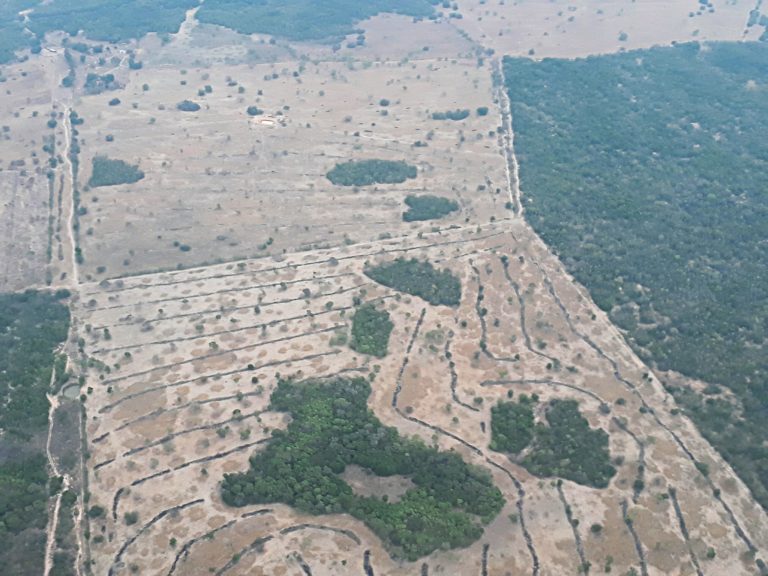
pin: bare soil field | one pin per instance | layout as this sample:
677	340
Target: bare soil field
187	366
222	183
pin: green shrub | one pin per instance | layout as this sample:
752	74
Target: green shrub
188	106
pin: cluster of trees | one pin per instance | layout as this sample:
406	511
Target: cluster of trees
109	172
565	446
332	428
512	425
32	325
428	207
456	115
254	111
646	174
305	19
418	278
188	106
367	172
98	83
371	328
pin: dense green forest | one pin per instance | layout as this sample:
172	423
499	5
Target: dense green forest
428	207
12	35
110	20
512	425
108	172
305	19
418	278
565	447
367	172
331	428
32	324
122	20
647	173
370	330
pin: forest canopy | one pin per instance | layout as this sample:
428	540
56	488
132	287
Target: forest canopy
32	325
332	428
305	19
646	173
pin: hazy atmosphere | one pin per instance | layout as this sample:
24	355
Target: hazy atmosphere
383	287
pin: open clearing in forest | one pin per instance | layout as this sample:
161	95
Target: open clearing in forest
227	185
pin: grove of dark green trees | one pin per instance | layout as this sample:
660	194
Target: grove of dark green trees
32	325
332	428
305	19
564	447
371	328
647	175
109	172
418	278
367	172
428	207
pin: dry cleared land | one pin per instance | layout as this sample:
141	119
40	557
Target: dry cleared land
234	261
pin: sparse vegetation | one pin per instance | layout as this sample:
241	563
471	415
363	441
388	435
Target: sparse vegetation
419	278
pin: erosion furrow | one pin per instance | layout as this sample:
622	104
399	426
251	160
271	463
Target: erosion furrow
684	529
146	527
